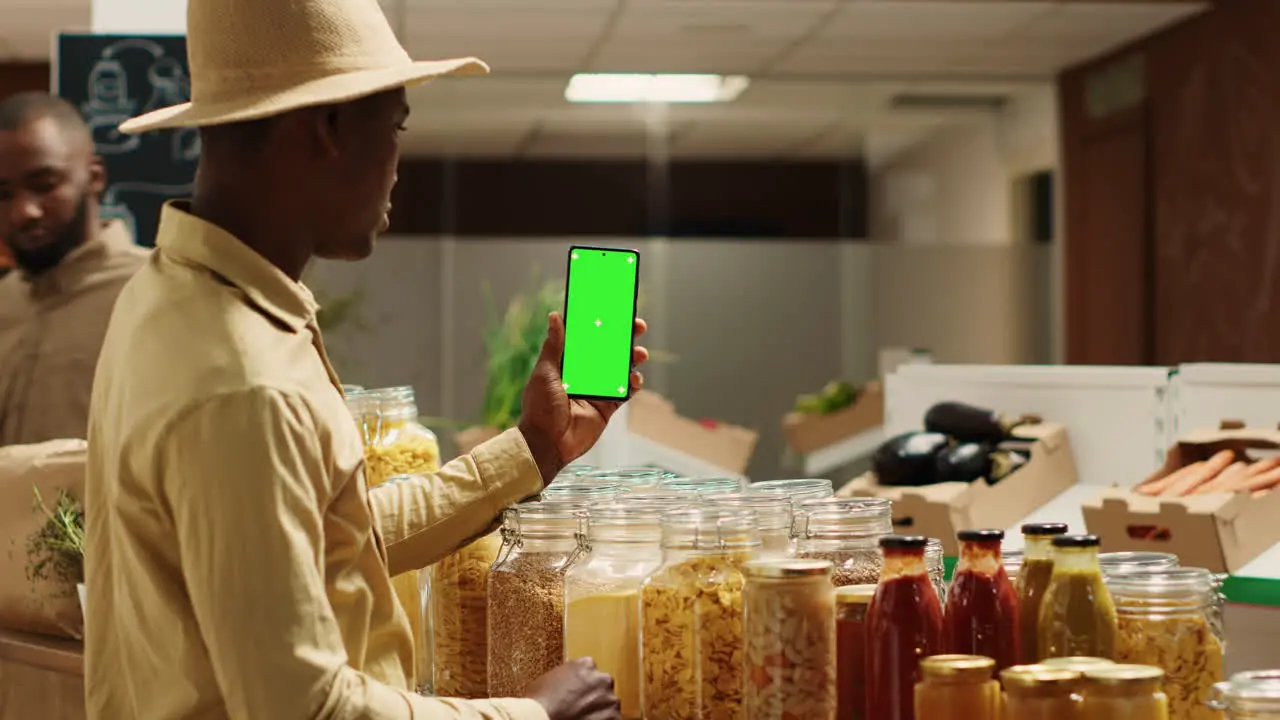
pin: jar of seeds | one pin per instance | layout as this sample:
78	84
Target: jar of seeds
848	535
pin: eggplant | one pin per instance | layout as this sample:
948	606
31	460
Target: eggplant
909	459
968	423
964	462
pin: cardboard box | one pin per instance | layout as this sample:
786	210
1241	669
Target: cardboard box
806	432
943	509
726	446
1219	531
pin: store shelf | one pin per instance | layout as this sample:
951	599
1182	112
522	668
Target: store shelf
837	455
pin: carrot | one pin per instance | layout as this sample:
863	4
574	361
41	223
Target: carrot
1156	487
1265	481
1210	469
1239	469
1264	465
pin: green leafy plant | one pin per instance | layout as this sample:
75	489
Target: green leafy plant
512	344
56	550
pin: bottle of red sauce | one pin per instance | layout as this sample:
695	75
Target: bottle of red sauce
982	604
904	626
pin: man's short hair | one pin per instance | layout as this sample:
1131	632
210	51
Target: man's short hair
22	108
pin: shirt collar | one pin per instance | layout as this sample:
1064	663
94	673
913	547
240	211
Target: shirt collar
191	240
79	265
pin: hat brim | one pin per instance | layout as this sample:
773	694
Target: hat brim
333	89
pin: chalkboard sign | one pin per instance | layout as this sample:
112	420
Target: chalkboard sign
112	78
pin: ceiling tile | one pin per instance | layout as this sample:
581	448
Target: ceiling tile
1113	22
880	58
514	21
617	56
926	19
557	54
720	21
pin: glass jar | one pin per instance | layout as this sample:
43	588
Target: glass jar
830	504
981	616
691	614
1038	692
630	479
1165	619
1117	562
773	518
1124	692
582	493
904	624
957	687
1033	579
1077	615
702	486
572	471
936	562
799	489
348	390
526	592
621	547
852	602
460	617
788	628
1251	695
849	538
1079	664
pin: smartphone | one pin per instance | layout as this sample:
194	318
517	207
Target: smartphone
600	320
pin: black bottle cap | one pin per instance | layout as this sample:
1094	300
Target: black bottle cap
1043	529
1077	541
982	536
904	542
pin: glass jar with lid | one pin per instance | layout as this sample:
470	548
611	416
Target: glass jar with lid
1033	579
833	503
936	562
629	478
703	486
460	618
572	471
691	614
1077	614
1166	619
1039	692
1123	692
526	592
852	602
788	627
798	489
582	492
1077	663
957	687
1116	562
848	535
773	518
621	547
1253	695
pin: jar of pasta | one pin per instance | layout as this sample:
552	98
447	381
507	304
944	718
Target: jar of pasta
1249	696
788	628
957	687
773	518
691	615
848	535
1165	619
460	616
1037	692
526	592
1124	692
852	602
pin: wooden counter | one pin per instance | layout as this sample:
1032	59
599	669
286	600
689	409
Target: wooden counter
40	677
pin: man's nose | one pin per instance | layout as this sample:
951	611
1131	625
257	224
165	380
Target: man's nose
24	209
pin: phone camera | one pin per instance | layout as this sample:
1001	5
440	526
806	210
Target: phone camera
601	254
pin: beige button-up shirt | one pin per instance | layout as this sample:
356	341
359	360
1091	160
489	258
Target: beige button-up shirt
237	564
51	330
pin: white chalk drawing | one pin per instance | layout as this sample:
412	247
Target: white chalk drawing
110	102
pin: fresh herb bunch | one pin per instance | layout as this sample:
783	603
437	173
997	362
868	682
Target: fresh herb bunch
56	550
512	344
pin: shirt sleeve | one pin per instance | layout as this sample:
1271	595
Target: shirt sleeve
426	518
244	474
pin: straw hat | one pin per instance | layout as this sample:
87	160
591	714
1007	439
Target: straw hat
252	59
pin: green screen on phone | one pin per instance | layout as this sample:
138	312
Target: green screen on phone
600	311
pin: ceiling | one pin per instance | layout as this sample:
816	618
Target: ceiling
823	72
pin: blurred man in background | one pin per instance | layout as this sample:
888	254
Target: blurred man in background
69	266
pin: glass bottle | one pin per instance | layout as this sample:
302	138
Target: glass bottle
788	628
936	562
621	547
1033	579
852	602
849	538
957	687
702	486
827	504
904	625
1077	615
1251	695
1038	692
1165	619
799	489
773	518
691	614
526	592
1124	692
1117	562
981	616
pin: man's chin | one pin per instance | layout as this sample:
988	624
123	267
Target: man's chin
351	252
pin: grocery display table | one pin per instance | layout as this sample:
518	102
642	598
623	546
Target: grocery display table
40	677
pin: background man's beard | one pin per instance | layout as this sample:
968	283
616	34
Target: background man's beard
34	261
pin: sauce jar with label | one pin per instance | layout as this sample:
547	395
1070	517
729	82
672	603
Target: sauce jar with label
957	687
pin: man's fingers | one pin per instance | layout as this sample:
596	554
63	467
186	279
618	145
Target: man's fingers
641	328
553	346
639	356
637	382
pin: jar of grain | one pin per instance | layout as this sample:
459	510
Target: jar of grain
1037	692
1166	619
702	486
691	614
621	548
848	535
1124	692
788	628
957	687
773	517
459	618
526	592
852	602
1249	696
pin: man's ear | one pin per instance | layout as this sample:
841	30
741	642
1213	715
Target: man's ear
326	126
97	176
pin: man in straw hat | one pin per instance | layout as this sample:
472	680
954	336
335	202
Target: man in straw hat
237	566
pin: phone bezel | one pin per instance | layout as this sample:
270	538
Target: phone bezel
635	310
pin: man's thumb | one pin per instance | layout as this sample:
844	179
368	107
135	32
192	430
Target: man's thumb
553	346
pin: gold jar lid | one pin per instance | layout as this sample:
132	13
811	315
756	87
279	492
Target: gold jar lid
855	594
1036	676
787	568
957	667
1079	662
1123	675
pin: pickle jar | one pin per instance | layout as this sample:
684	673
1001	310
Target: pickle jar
773	519
1077	614
1166	619
957	687
798	489
460	616
631	479
936	562
621	547
1253	695
1124	692
1033	579
702	486
789	640
1123	562
579	492
852	602
526	592
849	536
691	614
1039	692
